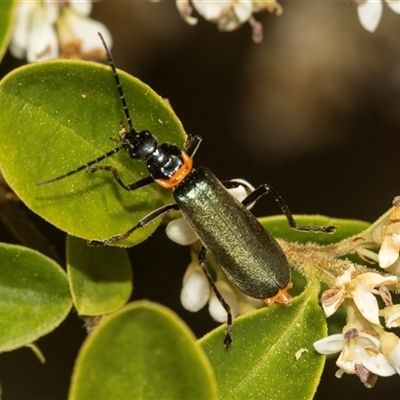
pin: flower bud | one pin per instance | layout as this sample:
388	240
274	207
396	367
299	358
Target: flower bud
179	231
215	308
195	290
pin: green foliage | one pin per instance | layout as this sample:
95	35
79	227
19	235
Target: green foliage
142	351
100	278
74	128
34	296
6	24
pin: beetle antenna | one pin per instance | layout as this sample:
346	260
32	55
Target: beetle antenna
57	178
117	81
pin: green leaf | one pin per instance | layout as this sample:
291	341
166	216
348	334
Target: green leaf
272	356
34	296
279	228
143	351
6	24
100	277
59	115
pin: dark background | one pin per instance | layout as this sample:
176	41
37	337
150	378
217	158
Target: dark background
313	110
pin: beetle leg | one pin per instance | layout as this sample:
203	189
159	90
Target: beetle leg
228	332
192	144
133	186
233	183
265	189
143	222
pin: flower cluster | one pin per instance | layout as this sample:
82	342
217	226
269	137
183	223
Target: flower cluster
362	353
229	14
366	349
363	341
47	29
387	235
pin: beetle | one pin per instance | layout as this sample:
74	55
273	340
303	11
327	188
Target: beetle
247	253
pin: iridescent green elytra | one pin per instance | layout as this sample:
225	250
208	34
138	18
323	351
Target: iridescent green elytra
247	253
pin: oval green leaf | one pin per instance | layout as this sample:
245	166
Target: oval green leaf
6	24
59	115
100	277
34	296
143	351
272	356
278	226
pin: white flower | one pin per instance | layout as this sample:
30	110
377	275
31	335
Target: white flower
186	10
82	7
228	14
370	12
359	353
388	236
389	251
179	231
195	289
332	299
34	33
360	289
394	5
392	316
74	25
390	347
42	27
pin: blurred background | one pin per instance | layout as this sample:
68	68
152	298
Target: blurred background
313	110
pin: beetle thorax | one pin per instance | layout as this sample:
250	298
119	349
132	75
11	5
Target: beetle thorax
165	161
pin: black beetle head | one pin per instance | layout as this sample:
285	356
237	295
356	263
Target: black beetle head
140	145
